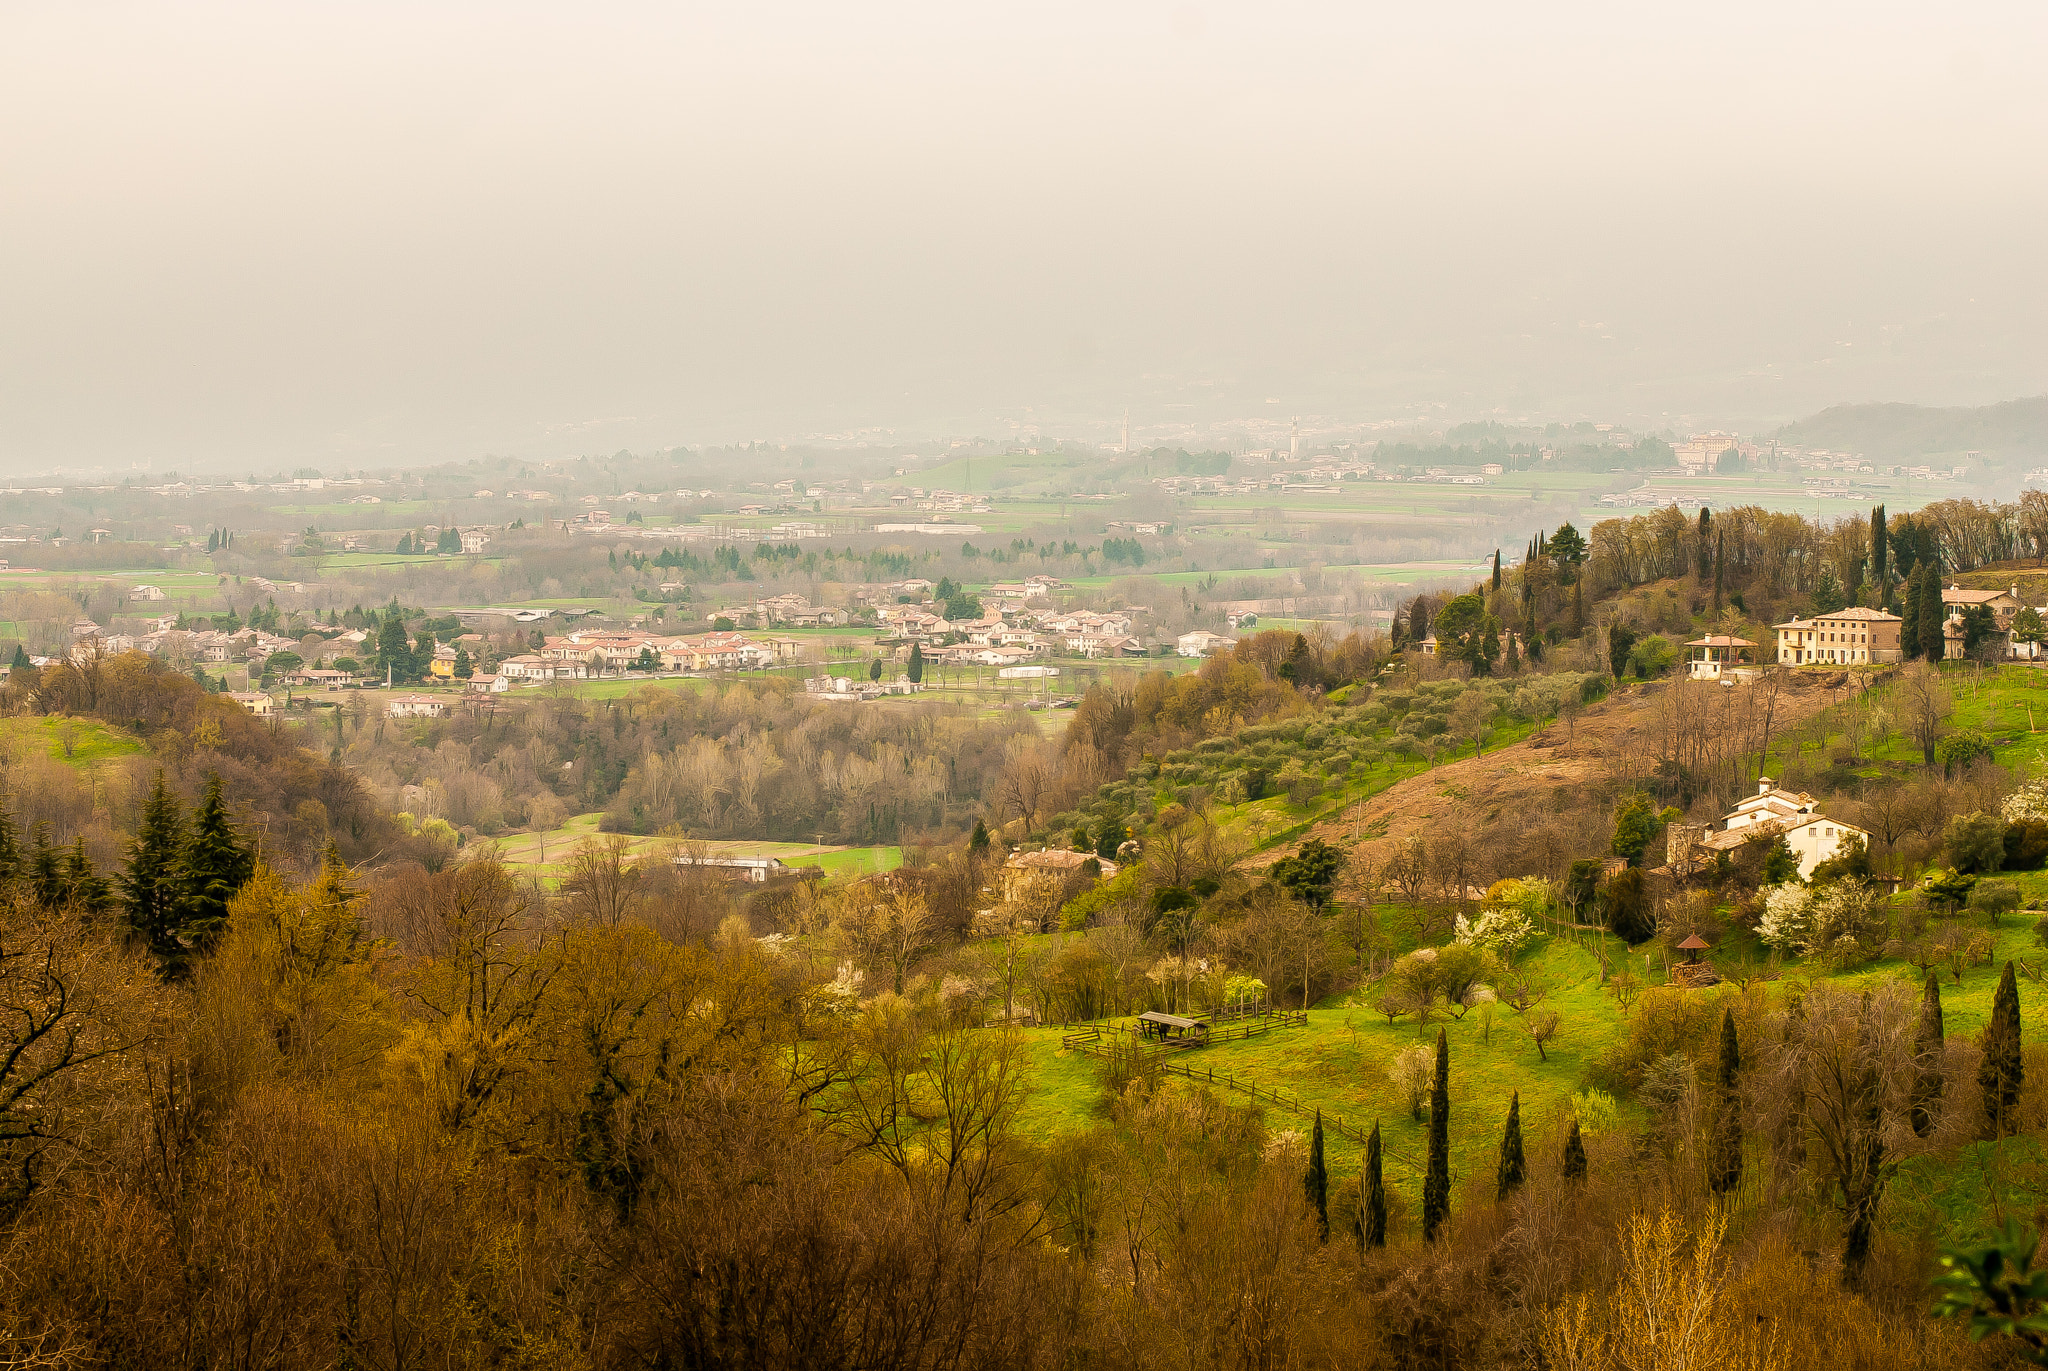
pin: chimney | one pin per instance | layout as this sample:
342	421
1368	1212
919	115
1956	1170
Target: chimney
1763	785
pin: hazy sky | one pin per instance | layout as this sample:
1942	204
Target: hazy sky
287	233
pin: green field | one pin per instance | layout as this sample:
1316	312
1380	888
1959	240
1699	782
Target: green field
528	849
1340	1064
80	742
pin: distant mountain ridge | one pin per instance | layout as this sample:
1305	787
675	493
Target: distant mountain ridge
2009	429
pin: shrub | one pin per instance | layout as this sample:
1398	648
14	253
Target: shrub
1596	1111
1411	1072
1784	922
1844	922
1975	842
1503	931
2026	844
1995	899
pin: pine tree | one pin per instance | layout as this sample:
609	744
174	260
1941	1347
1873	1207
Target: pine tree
1373	1204
1513	1167
1724	1165
1574	1153
464	667
1436	1185
216	866
153	889
1928	1047
979	842
1316	1183
85	890
10	847
2000	1073
45	869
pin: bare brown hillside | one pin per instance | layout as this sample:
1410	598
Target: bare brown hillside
1551	789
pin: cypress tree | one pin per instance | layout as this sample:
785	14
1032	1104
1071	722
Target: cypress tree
915	671
1513	1168
1316	1183
216	866
1720	546
1496	568
2000	1073
979	841
1724	1165
20	661
1514	659
1436	1185
153	889
1878	551
1578	608
1574	1153
1703	553
1909	618
1373	1208
1927	1053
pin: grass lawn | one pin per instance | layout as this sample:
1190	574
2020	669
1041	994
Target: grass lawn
90	742
525	849
1340	1064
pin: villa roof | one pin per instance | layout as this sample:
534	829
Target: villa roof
1856	612
1720	640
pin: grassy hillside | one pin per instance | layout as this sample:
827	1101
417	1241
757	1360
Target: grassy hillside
80	742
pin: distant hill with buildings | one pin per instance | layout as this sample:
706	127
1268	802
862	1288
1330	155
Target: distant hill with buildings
2010	429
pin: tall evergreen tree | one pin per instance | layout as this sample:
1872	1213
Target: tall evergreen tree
85	890
1703	551
216	866
1720	546
1933	633
1373	1203
1928	1047
1513	1167
45	869
1496	568
1879	553
10	846
1578	608
20	661
915	669
1909	618
1436	1185
1316	1183
1724	1163
2000	1073
154	888
1574	1153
